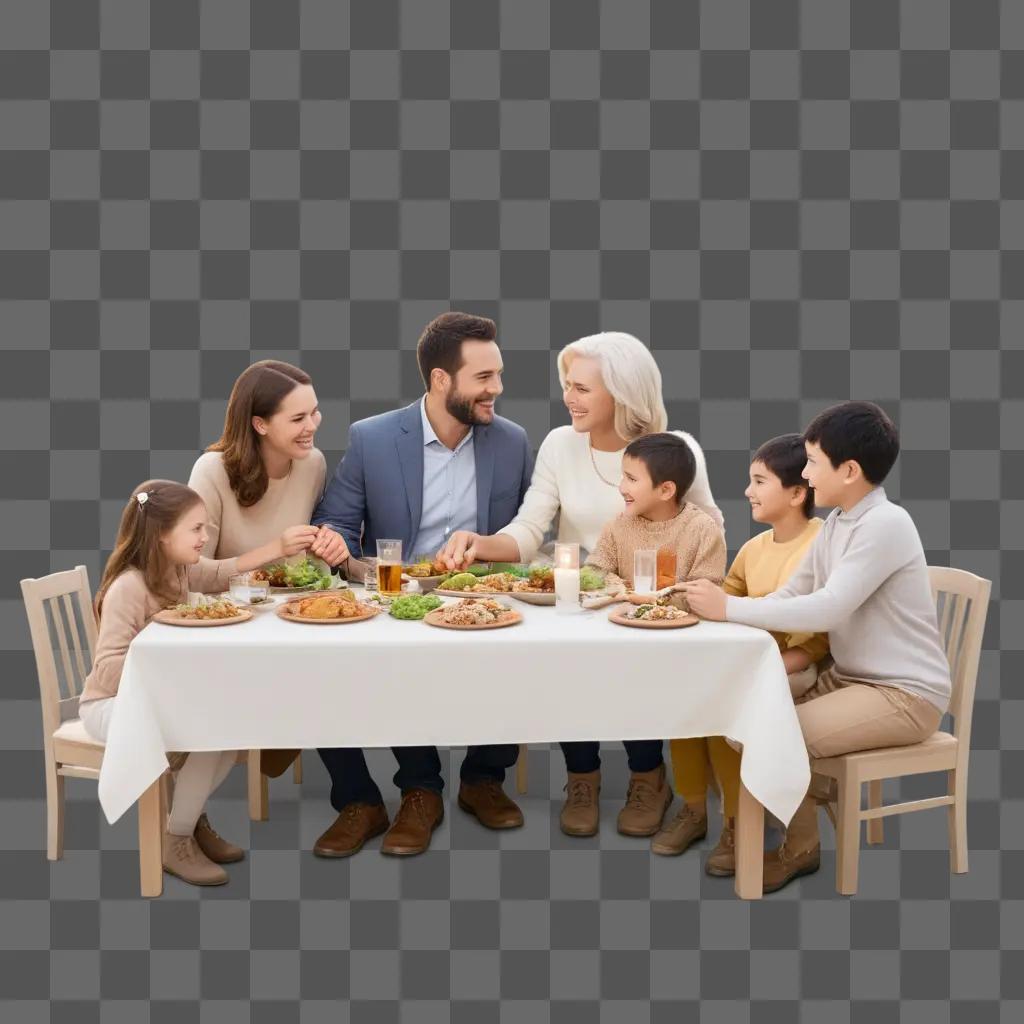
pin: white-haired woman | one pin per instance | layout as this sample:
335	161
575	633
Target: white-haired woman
611	386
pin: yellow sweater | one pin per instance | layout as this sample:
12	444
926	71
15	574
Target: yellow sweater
762	566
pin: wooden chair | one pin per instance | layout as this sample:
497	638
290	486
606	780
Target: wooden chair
63	630
962	604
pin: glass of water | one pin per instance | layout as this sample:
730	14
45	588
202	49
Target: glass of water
645	565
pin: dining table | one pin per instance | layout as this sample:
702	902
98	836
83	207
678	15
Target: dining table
384	682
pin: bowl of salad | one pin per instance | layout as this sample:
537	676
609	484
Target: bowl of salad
298	576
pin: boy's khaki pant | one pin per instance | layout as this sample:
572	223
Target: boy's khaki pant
837	716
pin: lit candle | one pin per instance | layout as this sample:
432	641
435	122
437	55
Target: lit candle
567	578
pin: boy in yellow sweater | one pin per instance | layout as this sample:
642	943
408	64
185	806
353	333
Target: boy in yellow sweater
779	497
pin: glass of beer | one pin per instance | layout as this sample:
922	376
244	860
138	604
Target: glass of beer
389	567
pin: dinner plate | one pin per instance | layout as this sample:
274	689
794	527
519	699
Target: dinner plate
510	618
427	583
472	594
169	617
284	612
546	598
620	619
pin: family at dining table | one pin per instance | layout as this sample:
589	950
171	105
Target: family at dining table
848	600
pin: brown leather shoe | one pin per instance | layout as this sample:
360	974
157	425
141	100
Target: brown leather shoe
354	826
581	812
647	799
421	812
490	805
681	832
183	858
721	862
781	866
215	846
276	762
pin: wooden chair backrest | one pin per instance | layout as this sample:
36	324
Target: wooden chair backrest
962	607
63	629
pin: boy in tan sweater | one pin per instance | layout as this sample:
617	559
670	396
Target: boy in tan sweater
657	470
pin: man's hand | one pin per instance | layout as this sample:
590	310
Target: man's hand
705	599
330	546
460	550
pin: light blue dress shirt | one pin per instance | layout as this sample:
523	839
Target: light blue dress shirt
449	490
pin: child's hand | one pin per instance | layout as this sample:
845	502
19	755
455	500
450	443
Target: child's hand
705	598
297	539
330	546
796	659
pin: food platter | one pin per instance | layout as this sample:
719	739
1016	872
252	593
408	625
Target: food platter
621	617
442	617
289	612
171	617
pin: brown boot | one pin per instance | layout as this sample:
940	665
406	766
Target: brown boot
581	811
276	762
354	826
183	859
490	804
721	861
800	853
421	812
648	798
216	847
681	832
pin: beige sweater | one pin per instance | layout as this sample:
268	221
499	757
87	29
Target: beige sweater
288	502
693	536
128	607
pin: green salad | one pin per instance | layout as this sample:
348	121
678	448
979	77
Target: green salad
591	578
414	606
306	573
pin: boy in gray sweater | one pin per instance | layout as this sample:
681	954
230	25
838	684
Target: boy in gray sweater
865	582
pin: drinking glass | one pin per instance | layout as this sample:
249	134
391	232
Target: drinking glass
645	564
389	567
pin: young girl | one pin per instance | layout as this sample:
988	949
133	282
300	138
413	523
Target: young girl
156	561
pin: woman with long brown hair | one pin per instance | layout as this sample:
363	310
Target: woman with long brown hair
157	559
264	474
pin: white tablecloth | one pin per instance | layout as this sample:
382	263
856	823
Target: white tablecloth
269	683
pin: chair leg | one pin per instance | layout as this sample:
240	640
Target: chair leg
297	771
876	826
54	813
958	822
848	834
521	768
152	820
749	880
259	792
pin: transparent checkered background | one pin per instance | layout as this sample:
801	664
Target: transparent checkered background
793	203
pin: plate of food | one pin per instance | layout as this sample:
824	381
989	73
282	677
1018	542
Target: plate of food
470	613
332	609
427	572
298	576
652	616
219	612
483	579
413	606
539	585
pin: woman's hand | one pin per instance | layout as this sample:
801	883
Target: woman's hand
297	539
705	599
460	550
330	546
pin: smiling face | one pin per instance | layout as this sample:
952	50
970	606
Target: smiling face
641	495
183	543
832	485
469	396
770	500
291	429
589	402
